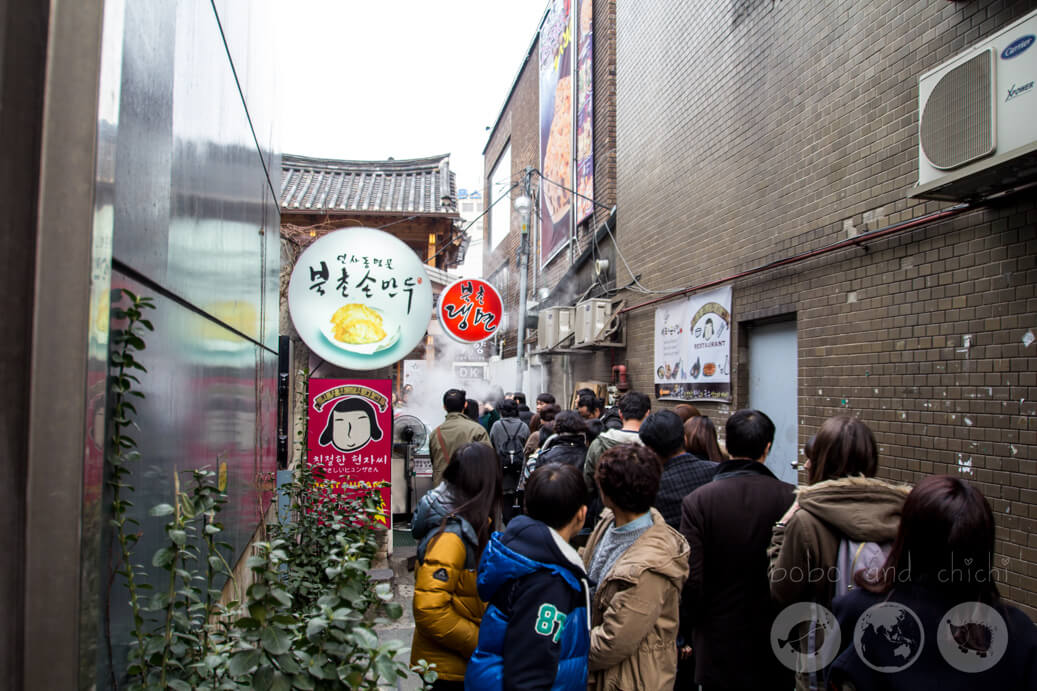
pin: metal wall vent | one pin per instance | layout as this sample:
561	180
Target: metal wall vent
958	120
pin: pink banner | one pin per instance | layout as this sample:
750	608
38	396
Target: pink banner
350	434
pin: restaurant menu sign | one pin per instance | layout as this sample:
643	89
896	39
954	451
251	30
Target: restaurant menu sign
470	310
556	129
585	111
360	298
350	435
693	348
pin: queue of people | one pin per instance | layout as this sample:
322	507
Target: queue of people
652	558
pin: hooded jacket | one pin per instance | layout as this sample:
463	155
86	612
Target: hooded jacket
447	608
605	440
636	608
803	551
534	634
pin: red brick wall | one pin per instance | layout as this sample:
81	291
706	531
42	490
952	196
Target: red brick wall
519	125
749	132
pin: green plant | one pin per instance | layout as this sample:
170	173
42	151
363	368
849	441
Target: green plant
123	454
307	620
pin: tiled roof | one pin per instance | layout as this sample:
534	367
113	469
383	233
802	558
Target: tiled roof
412	186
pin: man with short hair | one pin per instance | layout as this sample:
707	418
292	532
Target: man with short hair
508	436
726	608
524	413
534	634
456	431
663	433
633	407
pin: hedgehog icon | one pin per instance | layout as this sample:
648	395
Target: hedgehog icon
974	637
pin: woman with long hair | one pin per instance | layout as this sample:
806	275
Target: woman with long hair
700	439
453	523
843	520
947	625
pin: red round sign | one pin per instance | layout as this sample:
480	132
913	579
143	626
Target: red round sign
470	310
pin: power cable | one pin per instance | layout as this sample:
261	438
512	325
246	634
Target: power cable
636	283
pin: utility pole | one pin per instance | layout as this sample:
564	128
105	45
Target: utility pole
523	205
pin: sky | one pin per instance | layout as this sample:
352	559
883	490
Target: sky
398	78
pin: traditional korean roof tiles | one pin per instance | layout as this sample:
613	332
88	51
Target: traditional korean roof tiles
413	186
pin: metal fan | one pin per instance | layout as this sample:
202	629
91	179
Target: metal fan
409	433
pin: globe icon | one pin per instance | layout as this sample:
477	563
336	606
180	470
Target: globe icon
888	637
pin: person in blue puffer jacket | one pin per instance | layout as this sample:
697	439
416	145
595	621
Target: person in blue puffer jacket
535	633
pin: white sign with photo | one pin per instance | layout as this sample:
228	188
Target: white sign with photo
693	348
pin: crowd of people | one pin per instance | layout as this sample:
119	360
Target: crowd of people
600	548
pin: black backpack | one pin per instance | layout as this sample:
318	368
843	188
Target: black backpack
512	450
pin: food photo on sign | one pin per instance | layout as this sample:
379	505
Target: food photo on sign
360	298
350	436
693	348
470	310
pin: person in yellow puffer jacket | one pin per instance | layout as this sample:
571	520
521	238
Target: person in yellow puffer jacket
452	524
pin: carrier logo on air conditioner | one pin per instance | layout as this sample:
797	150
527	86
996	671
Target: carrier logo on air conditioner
1014	91
1017	46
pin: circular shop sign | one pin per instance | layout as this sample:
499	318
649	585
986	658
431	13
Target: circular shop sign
360	298
470	310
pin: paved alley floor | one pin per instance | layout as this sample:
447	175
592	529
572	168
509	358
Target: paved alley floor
403	593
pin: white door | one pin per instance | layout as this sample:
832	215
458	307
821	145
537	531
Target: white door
773	389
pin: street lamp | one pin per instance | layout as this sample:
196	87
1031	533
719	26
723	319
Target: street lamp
522	204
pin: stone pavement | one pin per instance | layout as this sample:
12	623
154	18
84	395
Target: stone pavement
402	581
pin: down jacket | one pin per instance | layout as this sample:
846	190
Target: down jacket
564	448
535	633
447	608
635	612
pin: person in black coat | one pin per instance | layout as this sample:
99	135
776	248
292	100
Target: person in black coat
568	444
726	607
952	632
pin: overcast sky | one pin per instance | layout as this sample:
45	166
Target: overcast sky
401	78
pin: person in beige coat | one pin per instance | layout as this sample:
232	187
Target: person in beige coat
637	565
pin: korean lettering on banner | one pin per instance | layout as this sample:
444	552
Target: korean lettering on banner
470	310
350	435
693	348
556	129
360	298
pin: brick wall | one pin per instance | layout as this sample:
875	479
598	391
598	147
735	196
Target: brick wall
519	124
749	132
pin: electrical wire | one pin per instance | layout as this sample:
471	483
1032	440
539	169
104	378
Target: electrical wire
635	285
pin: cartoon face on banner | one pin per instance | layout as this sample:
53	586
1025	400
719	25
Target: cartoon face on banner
470	310
360	298
350	434
351	425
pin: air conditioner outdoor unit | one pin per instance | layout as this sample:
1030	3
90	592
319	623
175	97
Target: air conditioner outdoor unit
553	325
591	318
977	134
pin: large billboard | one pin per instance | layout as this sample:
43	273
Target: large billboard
693	348
585	111
556	129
